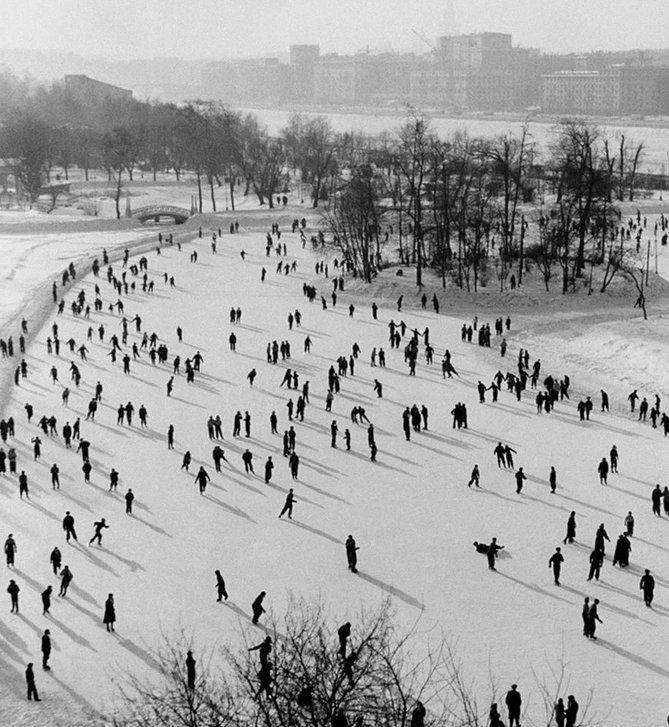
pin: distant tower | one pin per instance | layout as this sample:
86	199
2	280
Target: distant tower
451	24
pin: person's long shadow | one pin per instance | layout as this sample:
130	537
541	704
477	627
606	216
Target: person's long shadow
647	542
627	492
97	620
392	590
639	660
315	531
323	492
72	634
487	491
189	402
31	581
138	651
546	503
132	565
86	550
146	523
536	589
231	509
441	452
587	504
619	609
14	639
92	713
43	510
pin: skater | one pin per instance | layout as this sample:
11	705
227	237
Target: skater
257	607
264	649
190	670
288	505
129	497
613	456
46	600
220	586
269	466
202	477
520	478
55	558
475	476
571	528
647	585
572	711
30	683
513	703
552	479
109	617
596	560
629	524
344	633
46	649
593	619
10	550
65	580
603	470
493	549
68	527
99	527
351	554
13	590
555	562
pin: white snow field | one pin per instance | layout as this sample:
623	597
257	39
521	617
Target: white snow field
411	512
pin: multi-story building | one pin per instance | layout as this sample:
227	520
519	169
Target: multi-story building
303	59
253	81
89	92
615	91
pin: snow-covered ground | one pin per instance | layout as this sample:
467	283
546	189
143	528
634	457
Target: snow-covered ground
411	512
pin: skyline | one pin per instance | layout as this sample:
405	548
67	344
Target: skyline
129	30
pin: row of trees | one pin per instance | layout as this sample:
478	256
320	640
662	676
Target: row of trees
463	204
460	205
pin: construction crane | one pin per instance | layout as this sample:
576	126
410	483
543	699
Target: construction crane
427	42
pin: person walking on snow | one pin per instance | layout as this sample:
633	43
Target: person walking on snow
288	505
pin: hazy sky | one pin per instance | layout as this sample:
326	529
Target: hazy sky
219	28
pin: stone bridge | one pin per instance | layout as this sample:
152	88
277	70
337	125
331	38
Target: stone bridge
156	211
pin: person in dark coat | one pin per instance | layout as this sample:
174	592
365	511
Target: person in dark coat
288	505
603	470
264	649
269	466
129	497
30	683
572	711
257	607
46	649
493	549
513	704
344	633
600	536
418	715
46	600
190	670
596	560
494	720
109	617
555	562
656	497
593	618
520	478
13	590
558	711
585	613
621	555
571	528
202	477
65	580
647	585
629	524
351	554
220	586
552	479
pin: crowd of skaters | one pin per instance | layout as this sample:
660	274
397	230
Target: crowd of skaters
414	418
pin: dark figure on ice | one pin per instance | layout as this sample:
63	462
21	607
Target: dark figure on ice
288	505
257	607
647	585
351	554
555	562
493	549
513	704
220	586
